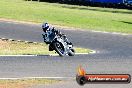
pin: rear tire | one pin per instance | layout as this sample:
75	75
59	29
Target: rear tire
59	48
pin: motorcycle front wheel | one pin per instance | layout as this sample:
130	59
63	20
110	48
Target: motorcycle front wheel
71	52
59	48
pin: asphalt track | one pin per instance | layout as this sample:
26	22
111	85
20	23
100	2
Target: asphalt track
114	55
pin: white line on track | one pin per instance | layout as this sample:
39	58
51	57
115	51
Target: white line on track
17	55
43	55
114	33
37	78
75	54
92	52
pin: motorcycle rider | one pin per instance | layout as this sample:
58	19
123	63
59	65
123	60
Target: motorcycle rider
50	32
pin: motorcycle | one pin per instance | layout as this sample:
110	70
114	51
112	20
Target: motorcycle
60	45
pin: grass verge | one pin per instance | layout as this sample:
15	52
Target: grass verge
89	18
25	83
21	48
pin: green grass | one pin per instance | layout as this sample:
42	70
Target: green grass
25	83
89	18
21	48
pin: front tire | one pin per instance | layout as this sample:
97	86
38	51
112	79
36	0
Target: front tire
71	52
59	48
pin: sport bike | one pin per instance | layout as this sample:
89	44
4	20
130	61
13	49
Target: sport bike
60	44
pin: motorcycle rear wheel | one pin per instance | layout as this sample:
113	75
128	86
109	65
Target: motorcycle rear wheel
59	48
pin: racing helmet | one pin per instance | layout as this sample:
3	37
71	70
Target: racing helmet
45	26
